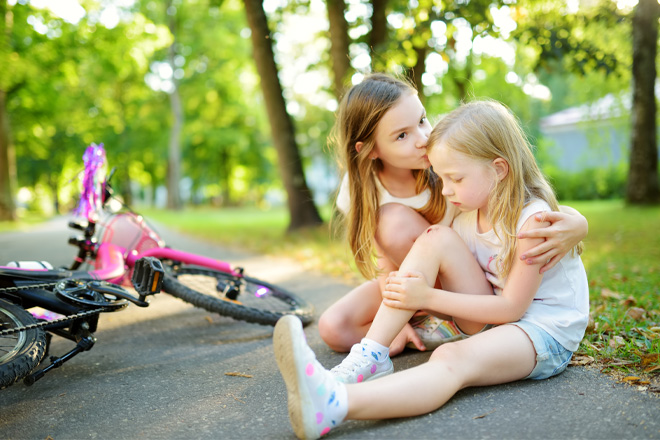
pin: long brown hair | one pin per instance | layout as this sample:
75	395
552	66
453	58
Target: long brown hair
359	113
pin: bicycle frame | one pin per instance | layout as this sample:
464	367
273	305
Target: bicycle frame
113	262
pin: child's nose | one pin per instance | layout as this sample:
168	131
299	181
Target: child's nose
422	138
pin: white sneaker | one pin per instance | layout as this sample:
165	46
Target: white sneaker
361	365
434	331
317	401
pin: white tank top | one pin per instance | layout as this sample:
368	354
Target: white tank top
416	202
561	304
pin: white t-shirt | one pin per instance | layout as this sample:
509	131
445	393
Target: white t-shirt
416	202
561	304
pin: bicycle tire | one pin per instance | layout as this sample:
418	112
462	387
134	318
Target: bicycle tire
20	352
258	302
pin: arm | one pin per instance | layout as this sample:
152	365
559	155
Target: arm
410	290
567	228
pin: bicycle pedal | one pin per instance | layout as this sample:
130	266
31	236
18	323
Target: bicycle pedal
148	276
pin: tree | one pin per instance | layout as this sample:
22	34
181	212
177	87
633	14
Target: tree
174	146
339	45
7	158
643	172
302	210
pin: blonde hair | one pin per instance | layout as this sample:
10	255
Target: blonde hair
359	113
487	130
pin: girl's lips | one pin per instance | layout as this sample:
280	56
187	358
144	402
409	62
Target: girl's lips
455	203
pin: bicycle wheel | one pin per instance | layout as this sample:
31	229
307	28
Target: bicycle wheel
20	352
244	298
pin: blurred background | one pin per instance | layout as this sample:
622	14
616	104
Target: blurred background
227	103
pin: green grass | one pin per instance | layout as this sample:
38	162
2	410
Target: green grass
622	258
25	220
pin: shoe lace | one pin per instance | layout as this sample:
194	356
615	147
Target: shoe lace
351	363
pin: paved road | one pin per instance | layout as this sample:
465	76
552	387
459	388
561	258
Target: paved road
161	373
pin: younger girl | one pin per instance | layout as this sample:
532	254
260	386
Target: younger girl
489	173
389	197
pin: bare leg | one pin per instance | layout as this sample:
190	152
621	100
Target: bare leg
458	271
398	228
500	355
347	321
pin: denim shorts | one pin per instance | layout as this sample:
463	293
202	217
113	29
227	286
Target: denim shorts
551	357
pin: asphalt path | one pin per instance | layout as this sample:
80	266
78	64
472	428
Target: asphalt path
172	371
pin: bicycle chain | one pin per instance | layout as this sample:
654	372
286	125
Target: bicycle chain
63	319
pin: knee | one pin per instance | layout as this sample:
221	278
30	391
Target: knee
455	360
440	236
449	352
333	329
398	227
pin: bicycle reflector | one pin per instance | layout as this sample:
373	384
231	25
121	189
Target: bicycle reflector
147	276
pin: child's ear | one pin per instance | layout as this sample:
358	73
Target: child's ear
358	147
501	168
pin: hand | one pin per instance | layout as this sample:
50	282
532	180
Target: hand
407	334
563	234
406	290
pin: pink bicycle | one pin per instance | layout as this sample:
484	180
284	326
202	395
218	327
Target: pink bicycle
113	241
117	248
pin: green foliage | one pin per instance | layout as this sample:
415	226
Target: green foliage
593	37
588	184
73	84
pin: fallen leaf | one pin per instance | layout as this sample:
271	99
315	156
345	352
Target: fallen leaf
646	333
607	293
483	415
636	313
651	358
630	301
616	341
208	318
582	360
652	369
630	379
616	363
238	374
591	324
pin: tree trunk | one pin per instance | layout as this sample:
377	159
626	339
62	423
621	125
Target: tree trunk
378	34
7	166
418	70
7	157
174	147
339	45
302	210
643	172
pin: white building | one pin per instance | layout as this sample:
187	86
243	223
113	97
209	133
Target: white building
589	136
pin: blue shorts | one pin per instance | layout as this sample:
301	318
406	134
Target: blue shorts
551	357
